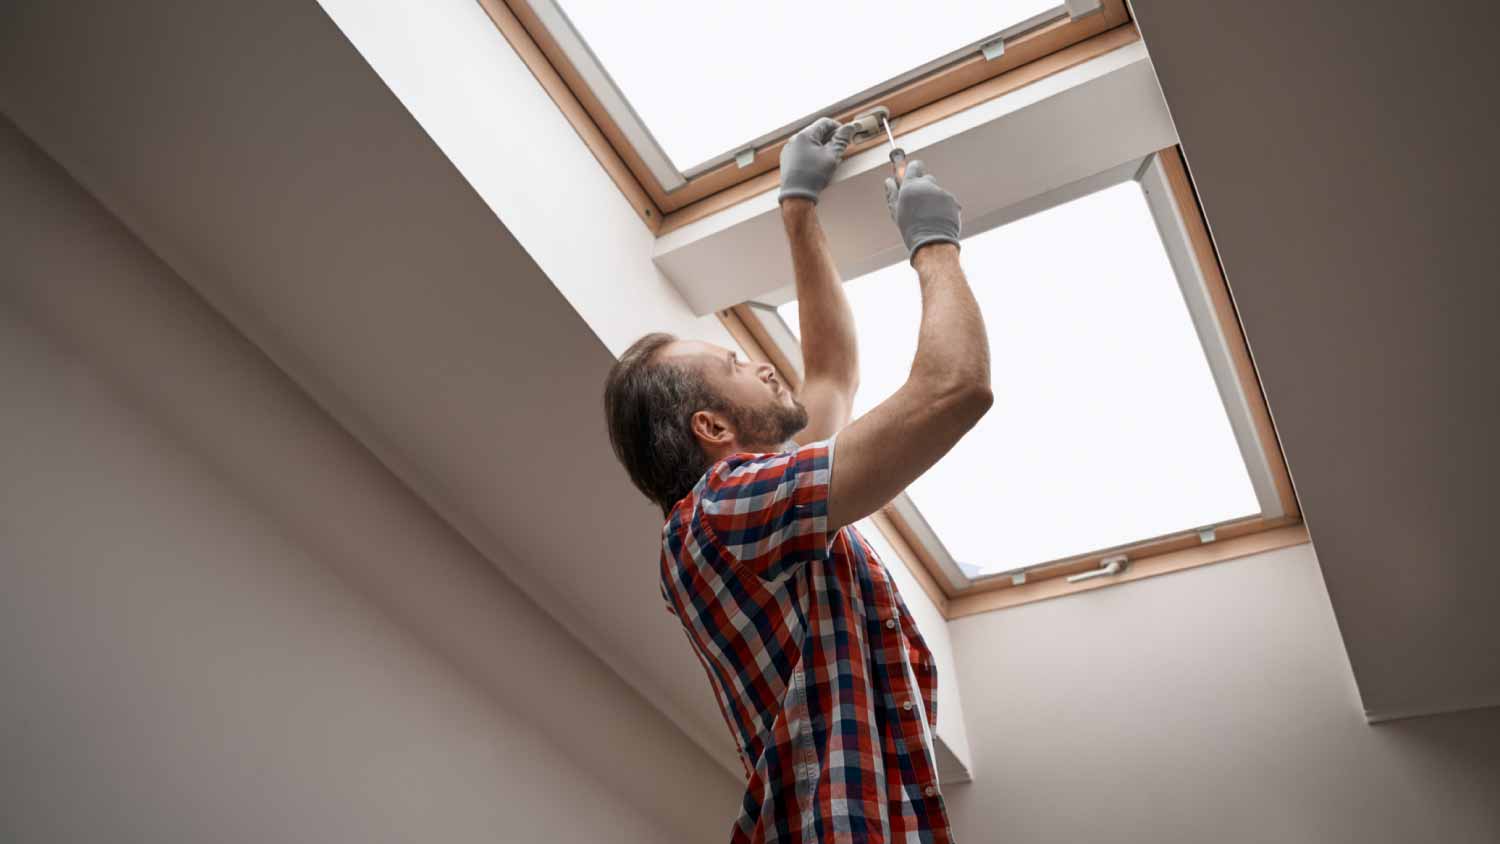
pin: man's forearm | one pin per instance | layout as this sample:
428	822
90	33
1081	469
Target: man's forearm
952	346
828	340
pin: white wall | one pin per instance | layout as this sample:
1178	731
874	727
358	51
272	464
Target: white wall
270	167
222	619
1214	704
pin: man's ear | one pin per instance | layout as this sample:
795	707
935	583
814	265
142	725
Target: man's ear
711	428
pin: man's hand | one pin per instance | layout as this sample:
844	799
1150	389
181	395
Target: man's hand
808	159
924	212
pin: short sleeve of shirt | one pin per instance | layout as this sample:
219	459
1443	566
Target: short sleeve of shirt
770	511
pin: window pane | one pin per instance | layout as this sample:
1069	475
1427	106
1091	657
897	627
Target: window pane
707	77
1107	426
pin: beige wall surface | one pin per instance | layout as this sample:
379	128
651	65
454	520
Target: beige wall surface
222	620
1344	154
1210	705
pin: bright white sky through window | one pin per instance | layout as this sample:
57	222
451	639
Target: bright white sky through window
1107	427
707	76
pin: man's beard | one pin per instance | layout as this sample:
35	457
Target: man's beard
769	425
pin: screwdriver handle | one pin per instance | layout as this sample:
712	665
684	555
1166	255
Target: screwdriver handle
898	164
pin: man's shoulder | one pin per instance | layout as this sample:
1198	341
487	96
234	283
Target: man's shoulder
743	497
731	477
739	473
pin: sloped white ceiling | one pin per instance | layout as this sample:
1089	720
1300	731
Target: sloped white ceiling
257	153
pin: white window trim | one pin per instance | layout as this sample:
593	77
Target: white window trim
1194	285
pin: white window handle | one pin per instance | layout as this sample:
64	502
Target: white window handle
1107	566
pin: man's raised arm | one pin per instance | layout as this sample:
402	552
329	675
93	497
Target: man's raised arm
948	389
829	354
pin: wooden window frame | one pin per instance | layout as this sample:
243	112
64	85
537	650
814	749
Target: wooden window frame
1031	55
1147	558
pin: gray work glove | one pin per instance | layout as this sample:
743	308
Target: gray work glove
808	159
924	212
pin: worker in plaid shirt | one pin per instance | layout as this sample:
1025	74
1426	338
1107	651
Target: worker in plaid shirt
824	680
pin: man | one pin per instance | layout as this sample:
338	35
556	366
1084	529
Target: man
825	682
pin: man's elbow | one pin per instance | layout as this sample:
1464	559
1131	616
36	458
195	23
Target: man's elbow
969	400
978	400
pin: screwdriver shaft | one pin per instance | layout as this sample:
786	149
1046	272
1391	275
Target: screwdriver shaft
898	155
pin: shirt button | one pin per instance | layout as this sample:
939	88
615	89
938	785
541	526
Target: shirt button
906	705
930	791
890	624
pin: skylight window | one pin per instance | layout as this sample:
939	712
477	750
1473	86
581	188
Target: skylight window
709	78
1108	426
1131	437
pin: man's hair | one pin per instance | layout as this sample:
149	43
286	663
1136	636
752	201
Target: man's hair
649	406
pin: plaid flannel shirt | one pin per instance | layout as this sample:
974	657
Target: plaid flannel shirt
822	676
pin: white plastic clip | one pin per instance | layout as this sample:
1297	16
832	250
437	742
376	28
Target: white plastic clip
745	157
1107	566
1206	535
1018	578
993	49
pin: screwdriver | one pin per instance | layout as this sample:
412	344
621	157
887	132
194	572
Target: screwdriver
898	155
